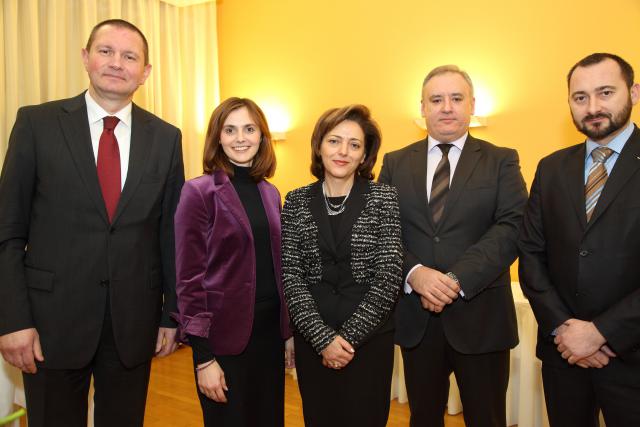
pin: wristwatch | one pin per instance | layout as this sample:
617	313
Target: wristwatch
454	277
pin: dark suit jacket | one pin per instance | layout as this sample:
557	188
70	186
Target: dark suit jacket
475	239
216	262
61	260
571	269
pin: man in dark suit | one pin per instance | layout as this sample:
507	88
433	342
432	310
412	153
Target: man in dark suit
461	202
579	254
87	196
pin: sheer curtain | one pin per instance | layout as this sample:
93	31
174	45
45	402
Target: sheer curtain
41	40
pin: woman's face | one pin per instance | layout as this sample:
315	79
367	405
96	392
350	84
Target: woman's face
240	137
342	150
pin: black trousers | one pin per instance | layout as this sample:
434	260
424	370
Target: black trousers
255	377
482	379
575	395
58	397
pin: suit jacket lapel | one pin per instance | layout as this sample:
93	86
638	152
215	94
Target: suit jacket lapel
574	182
231	200
75	128
419	173
319	213
466	164
140	147
626	166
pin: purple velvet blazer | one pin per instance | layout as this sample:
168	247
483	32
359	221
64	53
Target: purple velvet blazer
216	265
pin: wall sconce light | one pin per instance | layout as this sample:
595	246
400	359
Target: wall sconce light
476	122
278	136
278	118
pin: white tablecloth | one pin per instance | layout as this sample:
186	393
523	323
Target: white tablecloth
525	397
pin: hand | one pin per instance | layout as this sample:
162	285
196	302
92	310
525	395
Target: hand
426	304
20	348
337	354
211	382
577	339
289	354
435	288
598	360
166	342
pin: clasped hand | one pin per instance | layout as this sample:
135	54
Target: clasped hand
580	343
436	289
337	354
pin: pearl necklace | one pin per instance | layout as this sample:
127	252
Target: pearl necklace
332	208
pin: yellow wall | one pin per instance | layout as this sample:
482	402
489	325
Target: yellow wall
307	56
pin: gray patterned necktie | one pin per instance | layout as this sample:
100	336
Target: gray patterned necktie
440	184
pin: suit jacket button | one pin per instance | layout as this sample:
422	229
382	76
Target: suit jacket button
584	253
436	239
104	283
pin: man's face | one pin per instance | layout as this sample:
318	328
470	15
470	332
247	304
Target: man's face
115	64
600	100
447	106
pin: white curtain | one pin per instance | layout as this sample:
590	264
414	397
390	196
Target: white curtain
41	40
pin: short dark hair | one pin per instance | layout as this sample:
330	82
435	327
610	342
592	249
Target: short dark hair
332	118
120	23
596	58
264	163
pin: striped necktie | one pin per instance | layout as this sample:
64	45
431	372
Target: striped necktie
596	179
440	184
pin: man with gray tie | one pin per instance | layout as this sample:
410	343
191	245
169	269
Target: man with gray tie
461	203
580	254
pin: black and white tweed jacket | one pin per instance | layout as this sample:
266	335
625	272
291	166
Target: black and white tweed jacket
376	262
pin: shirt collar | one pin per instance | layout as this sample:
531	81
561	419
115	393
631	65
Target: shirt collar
459	143
96	113
616	144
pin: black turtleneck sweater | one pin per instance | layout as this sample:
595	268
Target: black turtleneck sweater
266	288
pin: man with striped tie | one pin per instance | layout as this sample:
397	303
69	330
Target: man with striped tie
461	203
579	253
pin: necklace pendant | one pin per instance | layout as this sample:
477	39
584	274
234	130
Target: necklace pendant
332	208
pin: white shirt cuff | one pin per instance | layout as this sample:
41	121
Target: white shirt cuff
407	287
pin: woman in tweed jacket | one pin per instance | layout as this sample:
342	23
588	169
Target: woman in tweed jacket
342	263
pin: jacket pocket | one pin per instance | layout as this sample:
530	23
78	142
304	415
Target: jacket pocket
39	279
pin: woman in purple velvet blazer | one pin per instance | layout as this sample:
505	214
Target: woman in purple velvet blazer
228	265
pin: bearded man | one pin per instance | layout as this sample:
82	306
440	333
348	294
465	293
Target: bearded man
579	247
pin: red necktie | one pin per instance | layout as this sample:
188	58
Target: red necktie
109	165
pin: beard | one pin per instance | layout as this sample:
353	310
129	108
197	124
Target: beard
602	130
